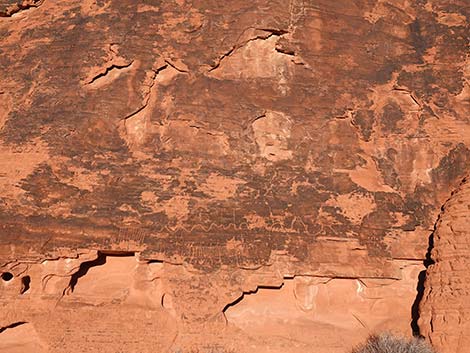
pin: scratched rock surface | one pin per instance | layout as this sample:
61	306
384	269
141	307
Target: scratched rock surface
445	307
191	176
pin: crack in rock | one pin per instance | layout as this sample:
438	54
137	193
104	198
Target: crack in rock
13	325
146	99
260	56
136	126
109	72
237	46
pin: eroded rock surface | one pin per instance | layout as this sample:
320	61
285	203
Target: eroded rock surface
191	176
445	307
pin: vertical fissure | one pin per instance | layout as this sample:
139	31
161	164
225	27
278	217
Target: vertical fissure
420	286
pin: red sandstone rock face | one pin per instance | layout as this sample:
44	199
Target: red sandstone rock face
191	176
445	308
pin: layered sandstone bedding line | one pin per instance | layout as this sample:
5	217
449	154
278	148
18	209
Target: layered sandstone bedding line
445	307
195	173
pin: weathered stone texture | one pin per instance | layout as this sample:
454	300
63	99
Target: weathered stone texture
445	308
236	176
